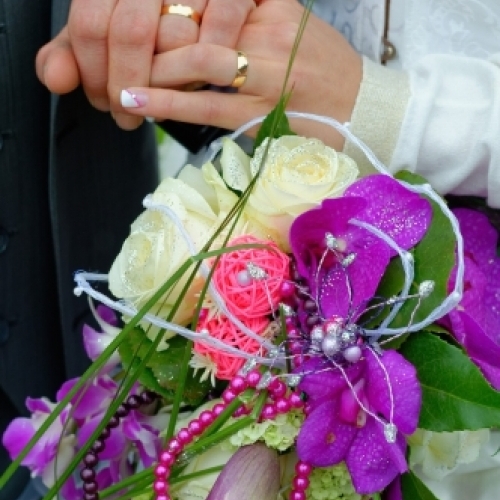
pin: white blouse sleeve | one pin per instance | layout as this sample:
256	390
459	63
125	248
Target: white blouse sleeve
449	128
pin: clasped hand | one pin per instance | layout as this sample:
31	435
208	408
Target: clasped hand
109	46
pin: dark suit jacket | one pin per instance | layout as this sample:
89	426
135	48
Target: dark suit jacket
71	183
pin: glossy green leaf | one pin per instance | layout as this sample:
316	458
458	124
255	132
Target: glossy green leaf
434	258
275	124
414	489
455	395
164	368
131	358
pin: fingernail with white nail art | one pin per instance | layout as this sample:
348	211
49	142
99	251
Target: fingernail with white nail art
130	99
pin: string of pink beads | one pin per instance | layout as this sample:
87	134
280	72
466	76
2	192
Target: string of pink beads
300	481
279	403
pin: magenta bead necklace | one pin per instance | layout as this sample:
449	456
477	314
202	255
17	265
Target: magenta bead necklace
279	402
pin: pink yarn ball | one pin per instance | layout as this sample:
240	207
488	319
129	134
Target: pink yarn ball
247	297
219	327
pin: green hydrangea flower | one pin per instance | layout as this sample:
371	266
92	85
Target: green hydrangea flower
332	483
279	433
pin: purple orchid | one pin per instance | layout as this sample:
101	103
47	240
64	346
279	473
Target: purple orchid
475	322
354	403
377	200
56	445
337	428
95	342
136	430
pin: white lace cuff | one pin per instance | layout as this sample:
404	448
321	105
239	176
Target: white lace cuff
378	113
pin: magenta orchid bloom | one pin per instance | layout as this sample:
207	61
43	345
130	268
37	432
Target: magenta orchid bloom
95	342
377	200
338	429
475	322
54	446
356	404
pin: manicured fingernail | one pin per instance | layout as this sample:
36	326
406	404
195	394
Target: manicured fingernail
130	99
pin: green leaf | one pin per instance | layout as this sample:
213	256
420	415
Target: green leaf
434	258
167	368
455	395
164	368
414	489
130	358
275	124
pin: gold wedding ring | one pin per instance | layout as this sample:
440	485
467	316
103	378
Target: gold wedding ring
181	10
241	71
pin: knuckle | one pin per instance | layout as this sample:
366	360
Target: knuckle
286	35
181	36
223	19
136	28
211	112
88	24
201	58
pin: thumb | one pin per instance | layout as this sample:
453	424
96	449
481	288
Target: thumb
56	66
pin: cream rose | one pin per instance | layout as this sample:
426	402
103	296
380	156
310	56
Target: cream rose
440	453
155	249
298	175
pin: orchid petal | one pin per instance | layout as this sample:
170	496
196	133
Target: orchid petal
16	437
96	342
323	439
398	212
363	277
391	373
393	491
323	385
480	237
115	444
373	462
482	350
42	405
308	231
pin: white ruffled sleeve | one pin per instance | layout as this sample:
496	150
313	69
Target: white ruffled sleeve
449	122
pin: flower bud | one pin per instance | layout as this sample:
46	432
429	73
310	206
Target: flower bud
252	472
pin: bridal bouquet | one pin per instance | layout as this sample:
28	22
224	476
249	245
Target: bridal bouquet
292	331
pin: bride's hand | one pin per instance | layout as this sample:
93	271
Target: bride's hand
109	44
325	77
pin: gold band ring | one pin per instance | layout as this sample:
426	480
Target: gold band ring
241	71
181	10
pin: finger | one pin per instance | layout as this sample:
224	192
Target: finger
56	65
132	39
203	107
199	62
88	28
223	21
177	30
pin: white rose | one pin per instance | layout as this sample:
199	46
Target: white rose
298	175
155	249
440	453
